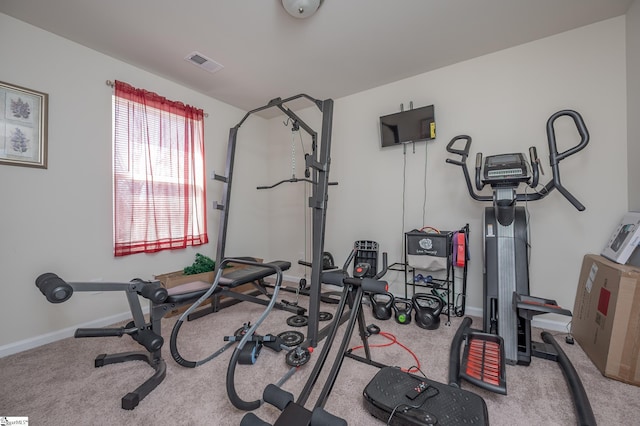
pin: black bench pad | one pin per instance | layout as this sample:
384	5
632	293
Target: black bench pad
246	274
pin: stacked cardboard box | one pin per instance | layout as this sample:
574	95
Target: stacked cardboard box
606	317
624	241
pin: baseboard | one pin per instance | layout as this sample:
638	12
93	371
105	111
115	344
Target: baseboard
544	323
34	342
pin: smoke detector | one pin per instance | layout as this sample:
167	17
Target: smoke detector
207	64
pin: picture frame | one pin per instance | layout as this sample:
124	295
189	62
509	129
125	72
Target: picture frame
23	126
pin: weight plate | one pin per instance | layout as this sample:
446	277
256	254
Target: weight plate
297	357
327	260
242	330
325	316
291	338
297	321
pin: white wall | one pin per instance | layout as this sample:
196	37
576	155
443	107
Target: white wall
503	101
633	104
60	219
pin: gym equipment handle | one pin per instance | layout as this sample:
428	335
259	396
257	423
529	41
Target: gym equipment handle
533	156
368	284
464	153
555	157
99	332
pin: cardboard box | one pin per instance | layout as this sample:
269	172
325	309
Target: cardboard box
606	317
624	240
177	278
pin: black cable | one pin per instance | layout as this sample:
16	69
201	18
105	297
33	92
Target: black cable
424	202
407	407
404	187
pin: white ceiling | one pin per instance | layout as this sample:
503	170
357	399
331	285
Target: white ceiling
348	46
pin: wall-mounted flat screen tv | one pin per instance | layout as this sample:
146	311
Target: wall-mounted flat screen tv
413	125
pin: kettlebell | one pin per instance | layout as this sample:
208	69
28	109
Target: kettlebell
426	315
381	303
402	308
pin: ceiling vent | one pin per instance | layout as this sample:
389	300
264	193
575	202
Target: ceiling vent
203	62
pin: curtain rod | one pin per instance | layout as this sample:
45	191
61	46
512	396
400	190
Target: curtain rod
112	84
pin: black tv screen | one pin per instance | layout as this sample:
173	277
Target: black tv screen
413	125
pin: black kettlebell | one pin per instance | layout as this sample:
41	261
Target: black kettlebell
402	308
428	309
381	304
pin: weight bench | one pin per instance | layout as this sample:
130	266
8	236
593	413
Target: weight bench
162	301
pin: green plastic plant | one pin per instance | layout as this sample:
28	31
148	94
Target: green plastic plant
201	264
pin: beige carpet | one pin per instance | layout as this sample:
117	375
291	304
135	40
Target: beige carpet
56	384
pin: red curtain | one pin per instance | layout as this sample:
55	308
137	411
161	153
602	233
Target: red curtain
159	180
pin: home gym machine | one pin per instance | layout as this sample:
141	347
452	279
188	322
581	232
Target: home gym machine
318	162
508	307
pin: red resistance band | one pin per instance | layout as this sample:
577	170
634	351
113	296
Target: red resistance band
394	340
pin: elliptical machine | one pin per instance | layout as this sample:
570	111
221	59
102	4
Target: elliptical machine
508	308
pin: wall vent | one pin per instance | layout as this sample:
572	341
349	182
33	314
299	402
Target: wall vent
203	62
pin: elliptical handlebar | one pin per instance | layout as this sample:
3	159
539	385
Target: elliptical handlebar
554	156
533	157
464	153
554	159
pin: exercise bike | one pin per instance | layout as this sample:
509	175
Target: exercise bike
508	308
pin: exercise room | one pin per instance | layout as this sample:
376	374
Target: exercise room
310	212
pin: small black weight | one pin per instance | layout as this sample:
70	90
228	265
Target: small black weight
403	309
382	305
327	261
302	284
325	316
298	357
427	310
291	338
297	321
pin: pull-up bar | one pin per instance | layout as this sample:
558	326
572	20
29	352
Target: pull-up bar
292	180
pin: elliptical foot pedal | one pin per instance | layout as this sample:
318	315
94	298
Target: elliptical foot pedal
483	362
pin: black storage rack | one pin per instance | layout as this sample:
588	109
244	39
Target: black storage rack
429	264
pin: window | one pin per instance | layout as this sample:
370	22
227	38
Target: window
158	173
